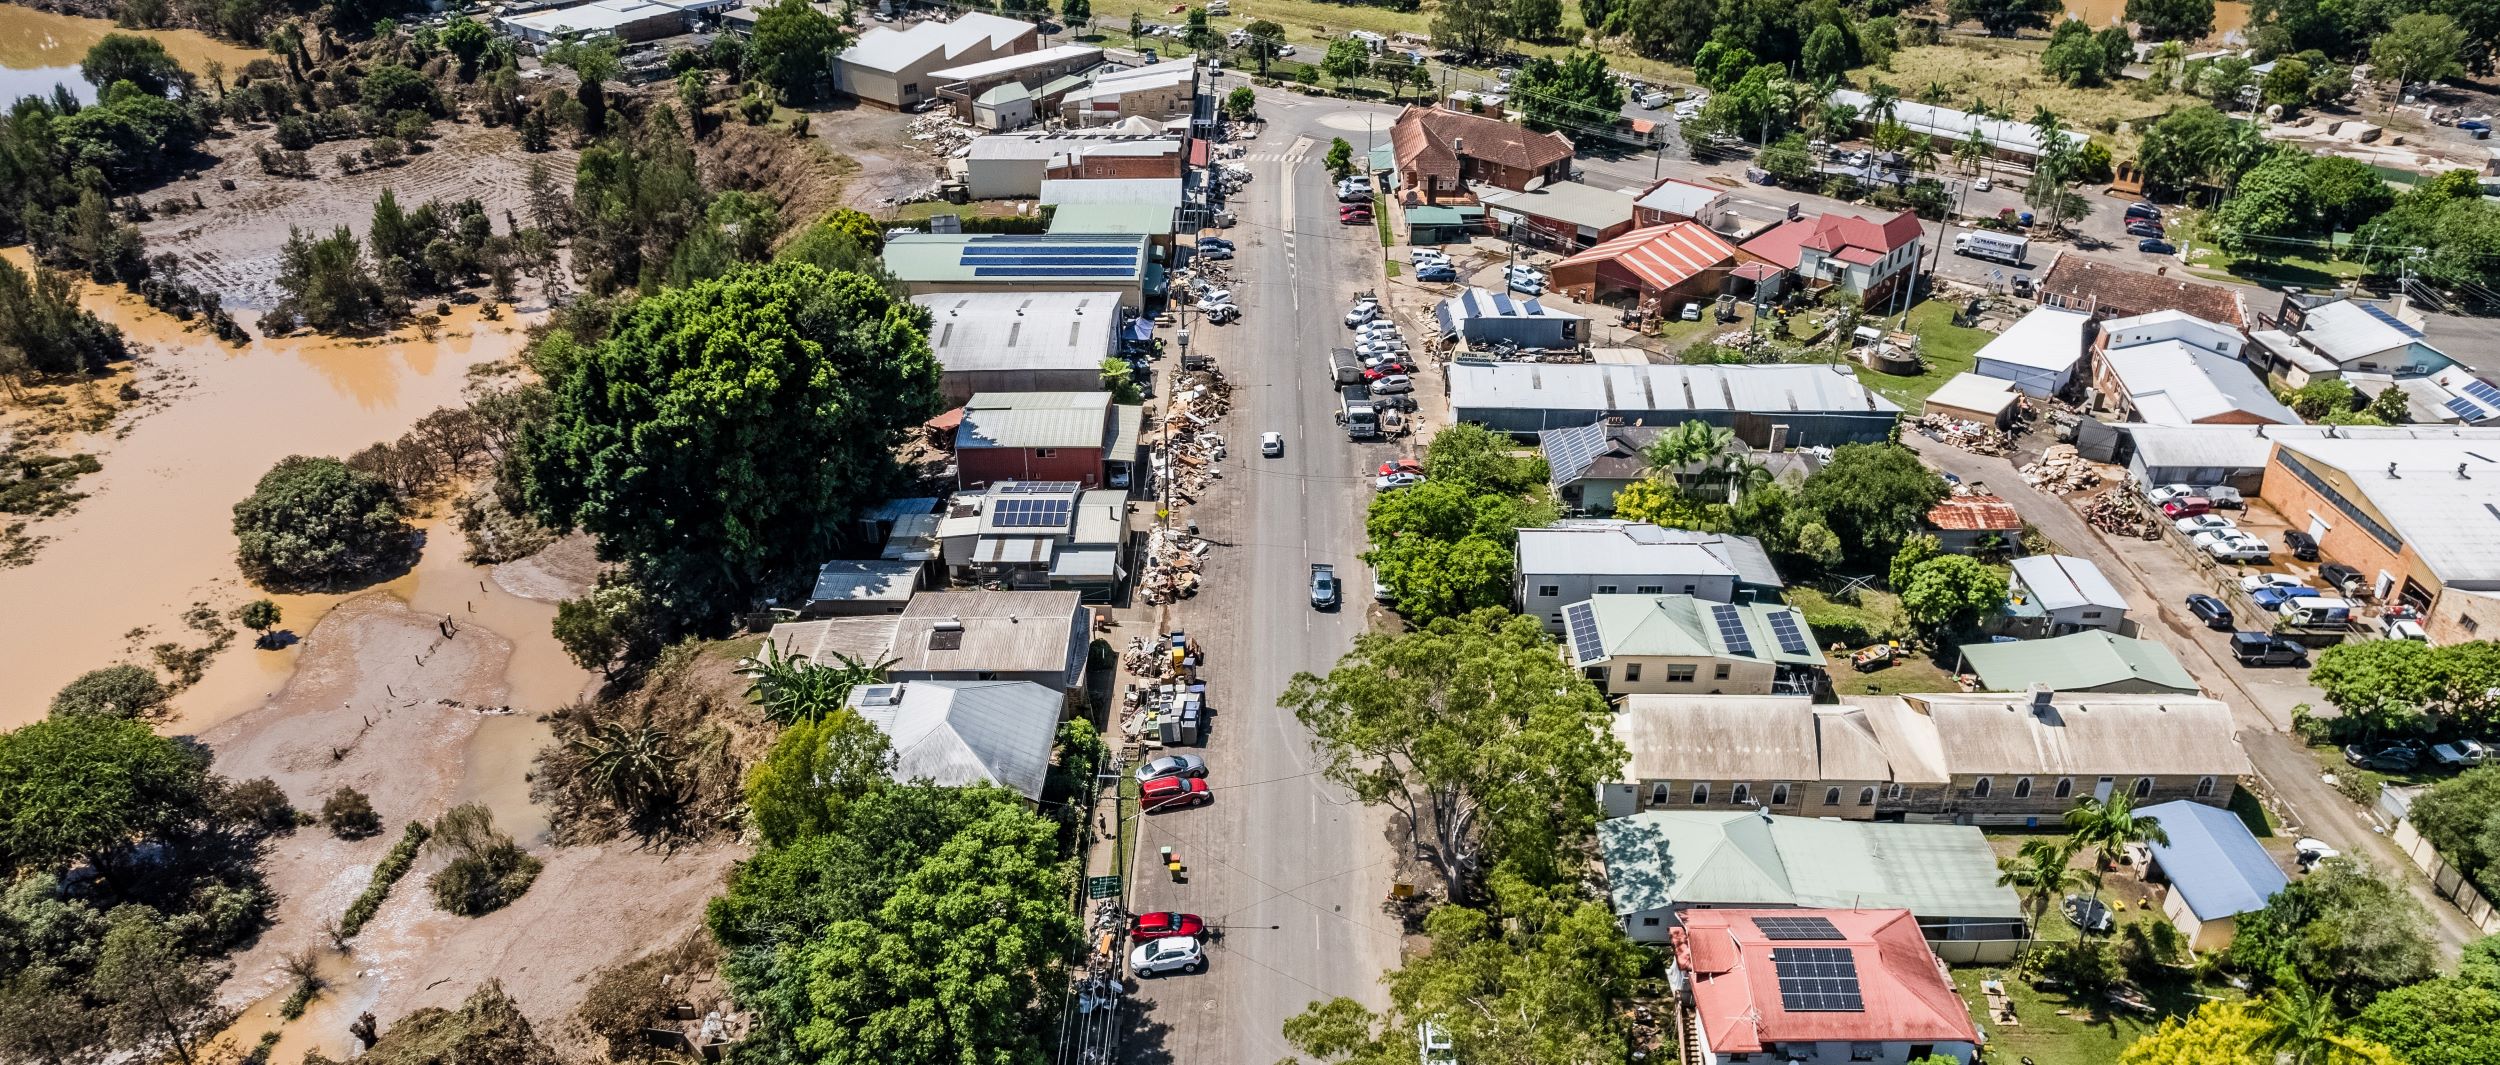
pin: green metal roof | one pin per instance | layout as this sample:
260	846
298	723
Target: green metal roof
1148	218
1683	626
1433	216
1740	857
2092	660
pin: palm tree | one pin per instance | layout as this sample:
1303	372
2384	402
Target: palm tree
632	761
1880	100
1934	93
1694	442
2110	825
2303	1028
2041	872
1973	151
1923	153
2168	60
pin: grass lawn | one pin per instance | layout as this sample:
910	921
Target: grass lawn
1310	24
917	213
1948	348
2078	1037
2274	272
2006	75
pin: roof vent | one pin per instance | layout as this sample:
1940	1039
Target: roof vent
881	695
2042	700
2461	472
2391	472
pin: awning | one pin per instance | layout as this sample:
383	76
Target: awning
1140	328
946	422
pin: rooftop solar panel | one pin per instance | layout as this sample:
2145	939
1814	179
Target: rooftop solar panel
2482	390
1031	512
1037	488
1053	271
2465	408
1792	637
1732	629
1573	449
1817	980
1796	928
1586	644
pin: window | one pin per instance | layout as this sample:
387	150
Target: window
1605	589
1779	794
1045	452
1650	589
1701	794
2143	786
1893	794
1866	795
1631	672
1681	674
2204	787
1863	1051
2065	786
1743	793
1548	591
1649	922
1658	793
1980	789
1831	796
2467	623
1688	589
2091	615
1595	673
1720	672
2022	787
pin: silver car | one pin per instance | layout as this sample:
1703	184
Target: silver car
1172	765
1156	957
1393	384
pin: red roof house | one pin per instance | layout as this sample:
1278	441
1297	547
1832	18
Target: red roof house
1865	258
1661	266
1438	152
1962	524
1767	981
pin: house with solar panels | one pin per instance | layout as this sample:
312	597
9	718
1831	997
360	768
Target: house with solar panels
1569	561
1663	862
1816	986
1037	535
1005	342
1485	317
2312	337
1683	645
930	263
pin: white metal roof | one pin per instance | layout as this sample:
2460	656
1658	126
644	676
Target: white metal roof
1601	546
1564	201
2441	497
1768	389
1009	64
2046	339
1021	330
1972	392
956	733
1958	125
1680	198
2346	330
597	16
2063	582
891	50
1053	145
2173	382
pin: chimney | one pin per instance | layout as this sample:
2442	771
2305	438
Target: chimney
1779	438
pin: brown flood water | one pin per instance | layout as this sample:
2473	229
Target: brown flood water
2230	16
39	49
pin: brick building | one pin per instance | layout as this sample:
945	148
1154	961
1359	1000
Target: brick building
1440	153
1077	437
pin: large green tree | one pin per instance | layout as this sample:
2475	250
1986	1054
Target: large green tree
1481	460
1577	93
721	433
2341	927
2002	18
2172	20
2447	1019
2461	817
2271	201
2379	686
315	522
1952	592
87	787
141	61
1874	496
1471	27
817	767
1475	730
121	691
1444	548
2452	233
2420	47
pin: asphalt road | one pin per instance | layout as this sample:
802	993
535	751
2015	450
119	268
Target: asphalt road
1290	868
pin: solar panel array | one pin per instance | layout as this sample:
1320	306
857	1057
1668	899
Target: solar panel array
1573	449
2482	390
1051	260
1732	629
1796	928
2465	408
1586	645
1031	512
1817	980
1038	488
1792	637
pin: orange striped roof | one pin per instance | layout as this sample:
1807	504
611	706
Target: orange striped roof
1661	256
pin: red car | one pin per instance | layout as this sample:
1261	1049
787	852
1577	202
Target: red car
1165	925
2187	507
1173	792
1401	466
1354	214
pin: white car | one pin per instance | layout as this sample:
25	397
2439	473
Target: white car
1525	273
1172	765
1362	312
2404	629
1982	185
2256	581
1393	384
2460	753
1284	49
2233	546
2165	493
1272	445
1393	482
1156	957
2203	523
1379	349
1377	327
1692	311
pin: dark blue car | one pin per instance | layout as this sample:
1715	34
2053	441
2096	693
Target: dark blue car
2155	245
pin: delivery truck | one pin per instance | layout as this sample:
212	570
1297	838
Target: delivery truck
2002	247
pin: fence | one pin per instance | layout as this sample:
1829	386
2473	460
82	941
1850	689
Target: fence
2446	879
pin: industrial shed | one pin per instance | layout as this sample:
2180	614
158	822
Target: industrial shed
1014	265
1775	406
2039	353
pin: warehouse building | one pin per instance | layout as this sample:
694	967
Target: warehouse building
1776	406
898	68
1002	342
927	263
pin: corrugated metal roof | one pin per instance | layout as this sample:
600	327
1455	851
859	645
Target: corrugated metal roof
1068	261
1683	626
1565	201
1947	122
2346	330
1035	419
889	50
2172	382
2095	734
1717	737
2213	860
1661	858
1001	632
1008	64
979	331
2078	661
1609	546
1685	198
1595	387
2440	497
1485	303
1661	256
2064	582
2046	339
861	580
956	733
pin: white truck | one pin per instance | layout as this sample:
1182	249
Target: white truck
1344	368
2002	247
1359	412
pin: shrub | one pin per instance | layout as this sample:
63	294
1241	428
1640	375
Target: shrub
348	814
121	691
487	871
393	866
259	803
313	521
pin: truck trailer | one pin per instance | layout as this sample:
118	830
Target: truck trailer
2002	247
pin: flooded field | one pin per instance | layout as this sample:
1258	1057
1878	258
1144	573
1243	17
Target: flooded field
39	49
2230	16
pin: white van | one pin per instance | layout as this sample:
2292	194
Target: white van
2315	611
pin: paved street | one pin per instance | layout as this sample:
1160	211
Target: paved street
1289	867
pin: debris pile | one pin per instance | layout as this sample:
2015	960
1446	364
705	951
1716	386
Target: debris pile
1975	437
2119	512
940	134
1170	707
2061	469
1185	459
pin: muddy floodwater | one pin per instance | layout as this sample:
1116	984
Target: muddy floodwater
2230	16
39	49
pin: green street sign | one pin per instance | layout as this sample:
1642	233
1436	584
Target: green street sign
1102	887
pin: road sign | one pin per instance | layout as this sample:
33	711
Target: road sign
1102	887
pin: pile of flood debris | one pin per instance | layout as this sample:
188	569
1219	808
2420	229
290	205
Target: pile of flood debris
2062	469
940	134
1975	437
2119	512
1187	455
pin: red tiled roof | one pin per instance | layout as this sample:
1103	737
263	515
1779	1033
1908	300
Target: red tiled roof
1778	245
1835	234
1736	988
1975	514
2107	291
1425	142
1661	256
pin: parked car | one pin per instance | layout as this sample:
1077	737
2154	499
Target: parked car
2460	753
2255	581
1402	466
2338	576
1165	925
2203	523
2386	758
2156	246
2086	912
1215	242
2144	229
2215	613
1172	793
2303	546
2399	628
2186	507
1692	311
2266	649
2232	546
1214	252
1272	445
1529	285
1172	765
1375	327
1524	272
1392	385
2273	596
1363	311
1393	481
1983	185
2140	209
2160	494
1354	194
1437	272
2224	496
1355	214
1155	957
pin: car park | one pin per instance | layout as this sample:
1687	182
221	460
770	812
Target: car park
1178	954
1165	925
2266	649
2186	507
2302	545
2460	753
2215	613
1271	444
2156	246
1172	793
1393	482
1392	385
2273	596
2383	757
2203	523
1172	765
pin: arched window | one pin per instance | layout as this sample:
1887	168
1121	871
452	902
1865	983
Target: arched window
2022	787
2143	786
2065	787
1866	795
1743	792
1779	794
1894	793
2204	787
1701	794
1831	796
1980	790
1658	793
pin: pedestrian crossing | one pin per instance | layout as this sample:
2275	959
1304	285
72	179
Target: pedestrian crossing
1294	154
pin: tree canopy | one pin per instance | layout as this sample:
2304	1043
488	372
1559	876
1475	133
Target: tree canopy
120	691
1575	93
1874	497
89	786
141	61
1952	592
722	432
2343	928
793	48
315	522
2172	20
2420	47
